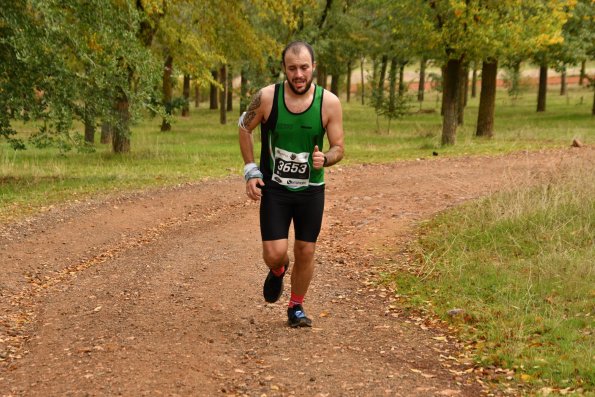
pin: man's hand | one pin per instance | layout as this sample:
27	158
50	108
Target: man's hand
317	158
252	188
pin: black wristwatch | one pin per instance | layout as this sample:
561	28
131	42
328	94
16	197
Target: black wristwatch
325	161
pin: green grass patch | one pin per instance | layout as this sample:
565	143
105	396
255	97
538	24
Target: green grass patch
199	147
522	266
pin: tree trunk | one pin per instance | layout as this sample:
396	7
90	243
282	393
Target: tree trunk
444	77
229	89
196	95
213	91
516	78
392	91
466	85
593	108
363	81
583	74
167	92
563	81
335	83
402	78
89	126
321	76
348	81
474	81
381	78
106	133
421	88
541	96
462	100
375	72
487	99
450	99
243	91
223	95
186	94
121	130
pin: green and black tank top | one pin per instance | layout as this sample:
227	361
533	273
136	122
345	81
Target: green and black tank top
288	140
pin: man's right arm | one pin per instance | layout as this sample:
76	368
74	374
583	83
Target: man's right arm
249	120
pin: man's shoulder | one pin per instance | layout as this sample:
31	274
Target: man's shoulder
330	99
269	89
267	93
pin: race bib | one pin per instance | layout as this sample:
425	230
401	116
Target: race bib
291	169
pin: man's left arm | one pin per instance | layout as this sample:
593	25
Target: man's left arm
334	133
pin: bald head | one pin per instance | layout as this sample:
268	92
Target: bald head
296	47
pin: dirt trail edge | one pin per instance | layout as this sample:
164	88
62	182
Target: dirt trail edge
159	293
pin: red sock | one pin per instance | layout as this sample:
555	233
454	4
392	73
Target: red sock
295	300
278	272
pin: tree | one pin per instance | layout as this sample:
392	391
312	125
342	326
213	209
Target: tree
167	92
186	96
579	41
457	32
101	60
184	35
422	79
512	28
240	38
487	99
542	90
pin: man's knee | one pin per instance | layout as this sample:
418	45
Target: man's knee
304	250
274	254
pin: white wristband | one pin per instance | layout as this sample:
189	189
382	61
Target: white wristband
249	167
251	171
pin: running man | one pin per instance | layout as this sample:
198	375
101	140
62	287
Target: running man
294	116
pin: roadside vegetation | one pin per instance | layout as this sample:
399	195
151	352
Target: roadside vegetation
516	272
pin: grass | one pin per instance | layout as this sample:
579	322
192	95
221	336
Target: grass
521	264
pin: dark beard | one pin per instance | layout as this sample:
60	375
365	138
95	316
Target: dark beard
292	88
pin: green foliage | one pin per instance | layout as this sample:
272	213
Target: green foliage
18	67
176	104
436	81
100	59
512	80
578	36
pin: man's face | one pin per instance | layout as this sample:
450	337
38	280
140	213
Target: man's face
299	70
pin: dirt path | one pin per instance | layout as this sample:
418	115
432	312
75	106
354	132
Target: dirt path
159	293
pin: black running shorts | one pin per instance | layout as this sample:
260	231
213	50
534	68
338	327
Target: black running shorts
279	206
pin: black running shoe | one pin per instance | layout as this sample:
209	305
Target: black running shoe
273	286
297	318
